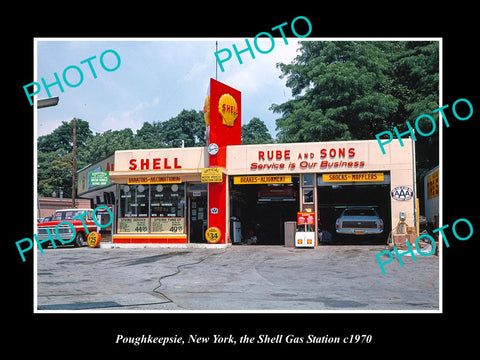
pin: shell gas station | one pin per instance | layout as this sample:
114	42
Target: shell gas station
227	193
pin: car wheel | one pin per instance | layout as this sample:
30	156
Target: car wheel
79	240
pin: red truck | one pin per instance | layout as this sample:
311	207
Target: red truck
65	231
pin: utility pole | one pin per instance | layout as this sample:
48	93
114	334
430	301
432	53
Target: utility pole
74	160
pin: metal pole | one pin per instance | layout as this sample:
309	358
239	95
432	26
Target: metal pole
414	160
216	61
74	160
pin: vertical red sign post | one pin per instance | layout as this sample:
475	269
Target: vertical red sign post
224	127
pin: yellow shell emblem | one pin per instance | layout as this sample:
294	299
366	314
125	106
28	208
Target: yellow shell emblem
228	109
206	110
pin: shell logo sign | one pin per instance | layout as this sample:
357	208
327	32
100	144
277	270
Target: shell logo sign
227	107
206	110
223	117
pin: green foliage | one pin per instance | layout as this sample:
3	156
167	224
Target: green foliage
54	171
62	139
55	160
188	126
255	132
354	89
150	136
103	144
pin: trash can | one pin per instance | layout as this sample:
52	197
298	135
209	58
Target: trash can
290	227
236	230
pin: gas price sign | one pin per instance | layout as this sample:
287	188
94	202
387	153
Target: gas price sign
213	235
305	218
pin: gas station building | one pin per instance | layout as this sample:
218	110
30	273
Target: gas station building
226	193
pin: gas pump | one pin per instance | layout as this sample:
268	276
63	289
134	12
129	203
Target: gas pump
103	217
305	234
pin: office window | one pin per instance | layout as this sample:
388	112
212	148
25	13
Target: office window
151	208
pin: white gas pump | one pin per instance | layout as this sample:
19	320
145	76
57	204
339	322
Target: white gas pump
305	234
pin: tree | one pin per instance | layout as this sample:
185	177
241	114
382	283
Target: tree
55	158
339	91
255	132
188	126
62	137
54	171
104	144
417	86
150	136
417	77
355	89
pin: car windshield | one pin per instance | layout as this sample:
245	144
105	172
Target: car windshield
359	212
67	215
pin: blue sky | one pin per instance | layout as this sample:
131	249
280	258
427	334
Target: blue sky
156	80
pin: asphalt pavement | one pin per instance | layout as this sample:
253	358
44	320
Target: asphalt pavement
235	278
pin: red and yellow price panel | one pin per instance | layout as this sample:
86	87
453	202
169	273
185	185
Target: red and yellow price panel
213	235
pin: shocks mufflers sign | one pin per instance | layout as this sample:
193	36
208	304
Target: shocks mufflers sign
352	177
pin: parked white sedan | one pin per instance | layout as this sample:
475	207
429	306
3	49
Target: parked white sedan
359	220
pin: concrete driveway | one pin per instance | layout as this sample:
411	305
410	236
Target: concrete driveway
272	278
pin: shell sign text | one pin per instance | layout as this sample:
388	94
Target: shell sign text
227	107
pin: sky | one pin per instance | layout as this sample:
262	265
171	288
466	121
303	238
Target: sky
156	79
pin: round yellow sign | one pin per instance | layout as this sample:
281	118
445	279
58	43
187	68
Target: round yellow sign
213	235
228	109
93	239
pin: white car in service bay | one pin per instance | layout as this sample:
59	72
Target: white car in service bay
359	220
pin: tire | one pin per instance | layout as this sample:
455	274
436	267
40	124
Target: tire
79	240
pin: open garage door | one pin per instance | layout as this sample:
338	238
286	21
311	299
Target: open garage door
262	208
337	192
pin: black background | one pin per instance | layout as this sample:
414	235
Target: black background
94	334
